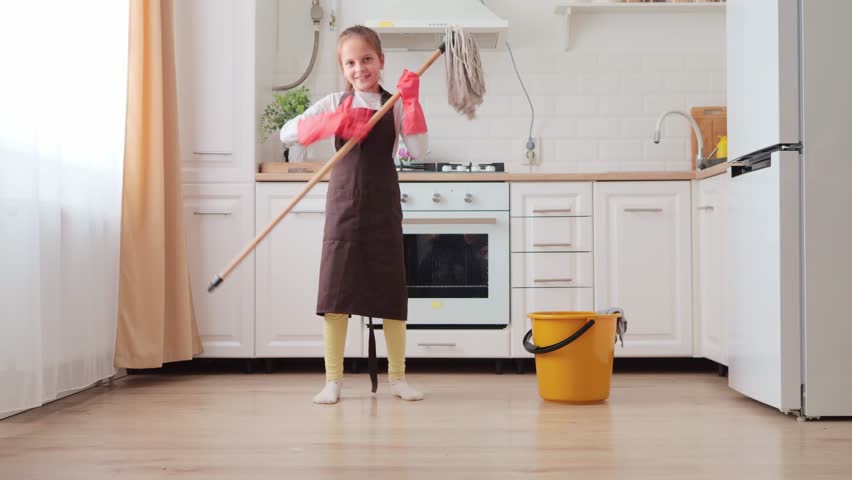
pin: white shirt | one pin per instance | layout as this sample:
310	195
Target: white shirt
417	145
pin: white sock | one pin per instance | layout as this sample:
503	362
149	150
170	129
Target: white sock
403	390
330	393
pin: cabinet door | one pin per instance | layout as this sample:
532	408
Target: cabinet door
288	262
214	62
528	300
643	263
709	211
219	224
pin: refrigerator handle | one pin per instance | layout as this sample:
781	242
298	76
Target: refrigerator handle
759	159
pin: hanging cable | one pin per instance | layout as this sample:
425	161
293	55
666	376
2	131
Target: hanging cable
532	109
530	144
316	16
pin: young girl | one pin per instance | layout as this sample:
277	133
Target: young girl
362	270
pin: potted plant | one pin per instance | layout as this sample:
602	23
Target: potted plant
282	109
404	155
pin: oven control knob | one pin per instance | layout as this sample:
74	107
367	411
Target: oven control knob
436	197
403	198
468	197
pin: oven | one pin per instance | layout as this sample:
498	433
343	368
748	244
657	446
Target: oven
456	243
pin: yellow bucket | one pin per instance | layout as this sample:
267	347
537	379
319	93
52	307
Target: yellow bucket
575	365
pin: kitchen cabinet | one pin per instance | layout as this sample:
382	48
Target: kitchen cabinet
574	246
214	64
215	80
219	222
552	245
709	214
642	263
288	261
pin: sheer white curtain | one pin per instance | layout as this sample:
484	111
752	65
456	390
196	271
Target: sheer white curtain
62	107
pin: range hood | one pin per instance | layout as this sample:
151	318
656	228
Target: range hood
420	24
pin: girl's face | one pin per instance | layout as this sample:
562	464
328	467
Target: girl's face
361	64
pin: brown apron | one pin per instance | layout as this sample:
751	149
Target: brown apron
362	271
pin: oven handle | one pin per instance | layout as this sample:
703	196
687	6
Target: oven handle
449	221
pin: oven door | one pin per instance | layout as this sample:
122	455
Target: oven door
457	267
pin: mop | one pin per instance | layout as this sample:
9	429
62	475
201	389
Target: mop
465	82
465	91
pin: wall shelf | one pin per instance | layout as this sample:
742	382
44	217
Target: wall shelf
570	8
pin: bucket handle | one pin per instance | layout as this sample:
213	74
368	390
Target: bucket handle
528	346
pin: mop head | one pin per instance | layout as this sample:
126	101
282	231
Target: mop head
465	81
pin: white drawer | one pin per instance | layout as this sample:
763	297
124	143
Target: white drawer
542	269
558	234
551	199
448	343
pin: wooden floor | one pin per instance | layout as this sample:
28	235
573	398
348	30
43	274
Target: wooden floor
474	425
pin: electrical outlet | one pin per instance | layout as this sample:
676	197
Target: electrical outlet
532	151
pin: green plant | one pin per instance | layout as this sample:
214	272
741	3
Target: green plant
282	109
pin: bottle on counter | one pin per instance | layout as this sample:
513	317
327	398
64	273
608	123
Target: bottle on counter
722	147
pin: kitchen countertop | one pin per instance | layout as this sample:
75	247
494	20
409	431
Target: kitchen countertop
522	177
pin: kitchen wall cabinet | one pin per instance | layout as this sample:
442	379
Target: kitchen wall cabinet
643	263
219	222
288	261
709	214
214	61
552	245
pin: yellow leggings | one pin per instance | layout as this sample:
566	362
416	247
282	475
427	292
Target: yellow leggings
334	333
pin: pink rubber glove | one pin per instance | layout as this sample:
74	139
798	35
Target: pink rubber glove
345	122
354	124
413	121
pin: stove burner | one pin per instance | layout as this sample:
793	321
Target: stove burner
441	167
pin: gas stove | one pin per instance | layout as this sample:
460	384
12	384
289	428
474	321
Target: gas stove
441	167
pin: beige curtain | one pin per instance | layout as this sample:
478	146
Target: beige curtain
156	323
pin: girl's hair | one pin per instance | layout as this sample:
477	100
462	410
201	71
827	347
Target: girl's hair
367	34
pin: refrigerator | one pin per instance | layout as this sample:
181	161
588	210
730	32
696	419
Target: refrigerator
789	267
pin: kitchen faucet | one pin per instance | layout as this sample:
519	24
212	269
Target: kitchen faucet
699	158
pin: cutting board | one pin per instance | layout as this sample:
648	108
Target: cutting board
290	167
713	122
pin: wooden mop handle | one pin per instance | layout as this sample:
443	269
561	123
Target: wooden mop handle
217	280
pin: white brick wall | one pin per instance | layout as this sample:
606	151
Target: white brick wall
596	104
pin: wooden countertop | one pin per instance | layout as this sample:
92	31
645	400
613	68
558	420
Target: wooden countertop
712	171
522	177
